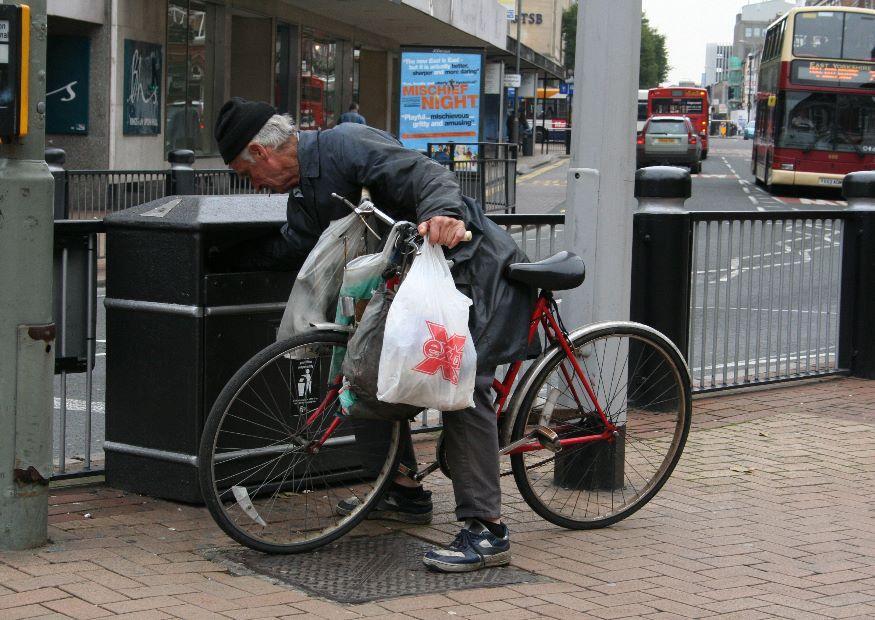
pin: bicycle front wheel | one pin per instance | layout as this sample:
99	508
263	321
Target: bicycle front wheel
272	473
641	382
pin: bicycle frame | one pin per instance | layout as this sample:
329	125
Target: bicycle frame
543	316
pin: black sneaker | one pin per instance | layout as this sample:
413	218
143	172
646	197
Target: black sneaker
474	547
405	504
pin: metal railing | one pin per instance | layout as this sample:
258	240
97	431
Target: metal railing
221	182
538	235
486	171
94	194
765	294
75	303
557	140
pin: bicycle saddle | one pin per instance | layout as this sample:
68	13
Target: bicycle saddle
564	270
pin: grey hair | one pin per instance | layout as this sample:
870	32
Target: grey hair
278	129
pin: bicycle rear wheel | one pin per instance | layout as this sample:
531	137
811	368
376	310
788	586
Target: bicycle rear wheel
642	384
262	478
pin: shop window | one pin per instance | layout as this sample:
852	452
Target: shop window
319	82
190	76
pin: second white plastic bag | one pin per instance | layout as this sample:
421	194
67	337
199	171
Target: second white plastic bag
428	358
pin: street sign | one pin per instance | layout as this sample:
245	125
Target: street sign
512	80
511	91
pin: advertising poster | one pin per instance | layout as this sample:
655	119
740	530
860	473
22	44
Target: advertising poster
142	94
440	97
67	84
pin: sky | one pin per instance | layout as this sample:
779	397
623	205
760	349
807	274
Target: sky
688	25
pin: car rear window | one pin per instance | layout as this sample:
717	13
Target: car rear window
666	127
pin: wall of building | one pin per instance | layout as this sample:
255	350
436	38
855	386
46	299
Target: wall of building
251	42
541	26
140	21
374	71
89	151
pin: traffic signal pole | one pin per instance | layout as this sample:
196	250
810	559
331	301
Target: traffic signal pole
601	175
27	332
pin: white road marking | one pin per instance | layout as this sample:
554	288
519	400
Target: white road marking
74	404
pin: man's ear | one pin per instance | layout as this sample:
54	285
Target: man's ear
258	151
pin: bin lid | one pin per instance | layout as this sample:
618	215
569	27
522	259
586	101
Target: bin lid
203	212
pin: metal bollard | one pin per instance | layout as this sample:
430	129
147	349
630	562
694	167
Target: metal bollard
180	180
56	158
857	306
662	253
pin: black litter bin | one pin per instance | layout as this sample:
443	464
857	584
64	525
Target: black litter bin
177	330
528	140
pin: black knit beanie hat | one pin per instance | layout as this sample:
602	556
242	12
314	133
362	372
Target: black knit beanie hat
238	122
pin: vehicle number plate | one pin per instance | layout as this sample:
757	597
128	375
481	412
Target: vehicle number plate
828	181
666	140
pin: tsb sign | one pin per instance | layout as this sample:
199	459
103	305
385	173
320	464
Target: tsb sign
532	18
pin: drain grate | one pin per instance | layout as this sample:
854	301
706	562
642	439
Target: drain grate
369	568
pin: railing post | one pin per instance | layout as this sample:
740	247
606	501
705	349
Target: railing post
661	253
56	158
180	179
856	337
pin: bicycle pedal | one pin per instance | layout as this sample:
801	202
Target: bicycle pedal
547	437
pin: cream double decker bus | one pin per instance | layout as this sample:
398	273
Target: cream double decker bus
816	98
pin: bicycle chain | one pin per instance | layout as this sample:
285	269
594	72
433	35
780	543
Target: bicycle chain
544	462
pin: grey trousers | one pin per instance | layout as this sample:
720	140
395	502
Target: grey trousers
471	440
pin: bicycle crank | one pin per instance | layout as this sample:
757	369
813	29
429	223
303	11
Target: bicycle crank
547	437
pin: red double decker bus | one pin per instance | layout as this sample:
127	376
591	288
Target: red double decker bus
815	119
690	102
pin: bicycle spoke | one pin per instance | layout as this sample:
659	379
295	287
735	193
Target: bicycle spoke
594	483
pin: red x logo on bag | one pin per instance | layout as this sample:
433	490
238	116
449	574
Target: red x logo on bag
442	353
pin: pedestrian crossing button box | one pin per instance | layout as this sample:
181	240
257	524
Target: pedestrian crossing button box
14	75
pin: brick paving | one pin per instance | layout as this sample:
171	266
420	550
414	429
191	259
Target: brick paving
770	514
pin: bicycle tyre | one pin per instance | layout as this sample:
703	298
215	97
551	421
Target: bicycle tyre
221	423
584	469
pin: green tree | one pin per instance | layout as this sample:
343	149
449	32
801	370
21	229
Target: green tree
654	58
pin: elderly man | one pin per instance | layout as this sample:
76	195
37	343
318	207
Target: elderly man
265	147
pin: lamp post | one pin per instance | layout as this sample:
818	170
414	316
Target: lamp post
749	82
515	123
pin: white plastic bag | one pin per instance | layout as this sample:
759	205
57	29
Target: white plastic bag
428	357
314	294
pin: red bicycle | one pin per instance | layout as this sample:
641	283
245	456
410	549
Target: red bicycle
593	427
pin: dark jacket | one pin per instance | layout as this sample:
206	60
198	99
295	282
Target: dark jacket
408	185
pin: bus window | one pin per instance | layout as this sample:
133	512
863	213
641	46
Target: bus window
642	110
859	37
808	120
818	34
855	124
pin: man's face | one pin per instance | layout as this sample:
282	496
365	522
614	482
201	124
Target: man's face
277	170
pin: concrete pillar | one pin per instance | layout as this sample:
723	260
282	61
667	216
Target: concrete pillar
602	170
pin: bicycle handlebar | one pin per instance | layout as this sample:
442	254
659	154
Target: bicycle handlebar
366	206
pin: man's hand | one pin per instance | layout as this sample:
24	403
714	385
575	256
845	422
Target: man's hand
444	230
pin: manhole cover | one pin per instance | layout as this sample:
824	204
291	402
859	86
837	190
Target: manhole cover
369	568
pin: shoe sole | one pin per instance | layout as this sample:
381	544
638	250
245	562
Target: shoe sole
498	559
391	515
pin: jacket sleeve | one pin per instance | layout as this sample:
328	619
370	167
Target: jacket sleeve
399	176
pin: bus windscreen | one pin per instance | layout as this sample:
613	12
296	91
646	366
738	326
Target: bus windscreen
685	105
